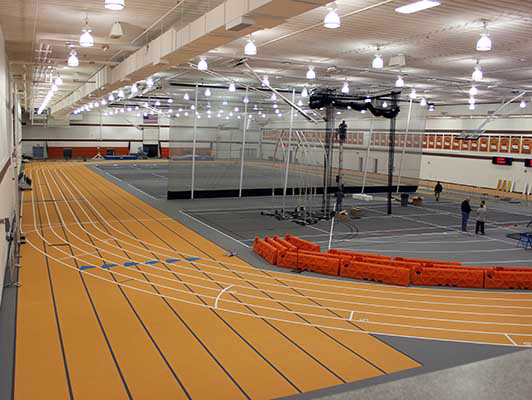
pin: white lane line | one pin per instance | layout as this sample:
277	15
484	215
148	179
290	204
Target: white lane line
430	251
510	339
214	229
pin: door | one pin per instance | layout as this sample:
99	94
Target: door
37	152
67	153
151	150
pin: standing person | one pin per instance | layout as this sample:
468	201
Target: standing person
466	210
342	131
339	198
481	217
437	190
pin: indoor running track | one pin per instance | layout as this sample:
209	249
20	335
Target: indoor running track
120	301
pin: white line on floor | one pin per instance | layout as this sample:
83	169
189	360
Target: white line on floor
136	188
214	229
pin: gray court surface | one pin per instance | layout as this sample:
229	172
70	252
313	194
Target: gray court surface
430	231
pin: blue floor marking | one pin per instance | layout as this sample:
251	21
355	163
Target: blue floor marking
130	264
192	259
152	262
107	266
133	263
84	267
172	260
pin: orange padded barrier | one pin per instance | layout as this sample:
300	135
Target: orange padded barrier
465	278
287	245
265	250
303	244
508	279
288	259
425	261
377	273
355	254
319	264
276	245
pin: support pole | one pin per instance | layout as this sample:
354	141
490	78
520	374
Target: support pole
289	152
366	164
194	144
327	162
404	146
243	145
391	154
332	229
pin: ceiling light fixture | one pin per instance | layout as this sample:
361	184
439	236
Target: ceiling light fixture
332	19
186	97
413	94
300	103
115	5
86	39
157	103
265	81
378	62
472	100
311	74
367	100
58	81
417	6
103	102
170	100
522	104
73	60
384	105
54	88
208	92
399	82
423	102
111	97
472	107
477	75
149	82
274	97
473	91
202	65
134	88
232	87
121	94
345	87
246	100
304	93
431	107
250	49
484	43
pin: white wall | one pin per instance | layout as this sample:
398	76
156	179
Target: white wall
8	154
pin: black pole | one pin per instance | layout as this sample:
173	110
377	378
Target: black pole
391	154
327	160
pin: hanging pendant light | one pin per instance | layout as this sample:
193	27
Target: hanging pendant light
170	100
473	91
384	105
431	107
121	94
472	107
274	97
157	103
186	97
399	82
378	62
311	74
413	94
103	102
86	39
246	100
232	87
58	81
202	65
208	92
149	82
304	93
54	88
73	60
265	81
115	5
367	100
345	87
484	43
522	104
332	19
134	88
477	75
423	102
472	100
250	49
111	97
300	103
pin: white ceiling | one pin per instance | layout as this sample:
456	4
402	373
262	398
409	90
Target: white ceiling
439	45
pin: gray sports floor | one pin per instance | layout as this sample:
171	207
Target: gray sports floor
431	231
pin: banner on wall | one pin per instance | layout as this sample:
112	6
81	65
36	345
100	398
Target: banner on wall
151	119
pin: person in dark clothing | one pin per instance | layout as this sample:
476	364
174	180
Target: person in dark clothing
466	210
437	190
339	198
342	131
481	217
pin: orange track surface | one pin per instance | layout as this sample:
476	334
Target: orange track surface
167	329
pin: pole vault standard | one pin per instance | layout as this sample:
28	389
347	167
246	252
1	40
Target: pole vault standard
404	145
368	150
194	143
244	130
391	153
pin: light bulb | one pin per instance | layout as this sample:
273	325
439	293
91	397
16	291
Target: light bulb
115	5
473	91
367	100
304	93
275	106
58	81
170	100
332	19
186	97
250	49
431	107
202	65
54	88
472	100
384	105
111	97
413	94
274	97
246	100
477	74
73	60
399	82
134	88
86	39
378	62
192	107
363	111
423	102
232	87
207	92
157	103
522	104
149	82
484	43
224	102
300	103
265	81
472	106
345	87
311	74
121	93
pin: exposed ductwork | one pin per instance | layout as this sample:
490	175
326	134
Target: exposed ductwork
177	46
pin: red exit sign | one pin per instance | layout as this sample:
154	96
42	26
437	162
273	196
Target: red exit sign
502	160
